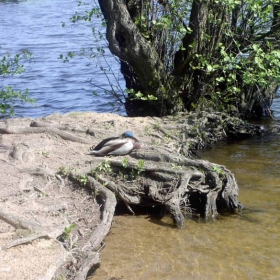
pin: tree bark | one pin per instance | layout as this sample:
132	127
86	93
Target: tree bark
140	63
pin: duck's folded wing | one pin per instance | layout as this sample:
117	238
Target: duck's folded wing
108	146
123	149
103	143
103	151
117	142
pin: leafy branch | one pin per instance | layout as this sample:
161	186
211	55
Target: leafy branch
11	65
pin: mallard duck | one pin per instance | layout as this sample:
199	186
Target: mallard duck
118	146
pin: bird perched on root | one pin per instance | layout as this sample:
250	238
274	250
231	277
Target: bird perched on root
118	146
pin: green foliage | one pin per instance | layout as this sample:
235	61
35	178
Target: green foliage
222	52
236	66
176	166
104	167
67	231
157	126
140	166
134	172
83	179
125	162
241	66
140	95
219	170
8	97
65	171
164	27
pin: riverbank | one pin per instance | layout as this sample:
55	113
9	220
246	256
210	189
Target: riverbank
43	204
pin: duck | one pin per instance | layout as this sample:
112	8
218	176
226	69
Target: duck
118	146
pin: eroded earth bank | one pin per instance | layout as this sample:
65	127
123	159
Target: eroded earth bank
57	202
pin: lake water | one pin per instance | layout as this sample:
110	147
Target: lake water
246	246
58	87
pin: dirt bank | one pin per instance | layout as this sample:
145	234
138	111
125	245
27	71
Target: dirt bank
46	218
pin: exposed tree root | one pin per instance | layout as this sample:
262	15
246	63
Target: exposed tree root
180	184
96	238
184	186
44	129
160	175
35	230
55	266
90	253
19	223
51	235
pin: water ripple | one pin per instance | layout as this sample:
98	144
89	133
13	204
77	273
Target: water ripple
57	86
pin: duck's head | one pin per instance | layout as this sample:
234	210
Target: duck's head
128	134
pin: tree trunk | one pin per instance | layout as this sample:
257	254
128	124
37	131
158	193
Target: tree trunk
141	65
201	43
176	56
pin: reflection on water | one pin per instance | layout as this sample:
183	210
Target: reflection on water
234	247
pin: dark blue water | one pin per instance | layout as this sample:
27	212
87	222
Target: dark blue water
276	106
58	87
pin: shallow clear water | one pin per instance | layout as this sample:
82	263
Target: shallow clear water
246	246
57	86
